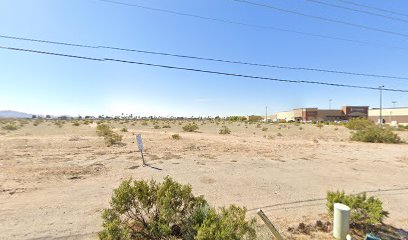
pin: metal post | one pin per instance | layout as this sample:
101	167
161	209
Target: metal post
266	114
381	120
393	104
330	101
144	164
269	224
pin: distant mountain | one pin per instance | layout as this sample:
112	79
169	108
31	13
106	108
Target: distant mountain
14	114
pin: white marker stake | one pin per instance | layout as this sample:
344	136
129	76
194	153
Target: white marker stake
140	145
341	220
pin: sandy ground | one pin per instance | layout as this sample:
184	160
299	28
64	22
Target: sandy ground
54	182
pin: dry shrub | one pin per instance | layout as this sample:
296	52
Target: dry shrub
191	127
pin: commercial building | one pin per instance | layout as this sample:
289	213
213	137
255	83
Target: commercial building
391	116
315	114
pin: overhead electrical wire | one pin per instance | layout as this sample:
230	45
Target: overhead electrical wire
203	58
201	70
356	25
357	10
374	8
225	21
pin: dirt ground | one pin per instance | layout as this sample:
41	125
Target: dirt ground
55	182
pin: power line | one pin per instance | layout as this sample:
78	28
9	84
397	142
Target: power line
323	18
225	21
358	10
201	70
375	8
204	58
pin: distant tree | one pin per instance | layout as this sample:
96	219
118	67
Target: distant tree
47	116
34	116
254	118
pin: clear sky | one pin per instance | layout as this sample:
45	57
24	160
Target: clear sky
43	84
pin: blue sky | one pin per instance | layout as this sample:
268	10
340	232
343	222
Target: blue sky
53	85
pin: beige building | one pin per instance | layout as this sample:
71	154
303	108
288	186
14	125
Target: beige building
315	114
389	115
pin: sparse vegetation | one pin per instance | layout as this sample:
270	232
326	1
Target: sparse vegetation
190	127
156	127
224	130
124	130
103	130
10	127
76	124
169	210
176	136
111	138
264	129
363	210
319	125
358	124
375	134
166	126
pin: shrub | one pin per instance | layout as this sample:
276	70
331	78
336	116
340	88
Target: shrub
176	136
166	126
258	125
279	134
169	210
156	127
76	124
124	130
10	127
103	130
319	125
224	130
37	122
363	210
112	138
230	223
144	123
191	127
151	210
264	129
358	124
375	134
58	124
301	128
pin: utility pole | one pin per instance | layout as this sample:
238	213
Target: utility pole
266	114
381	120
330	101
393	104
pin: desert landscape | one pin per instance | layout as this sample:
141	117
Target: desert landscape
57	176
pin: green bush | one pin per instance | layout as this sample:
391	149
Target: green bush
124	130
103	130
375	134
169	210
191	127
176	136
156	127
363	210
58	124
358	124
230	223
224	130
10	127
112	139
319	125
